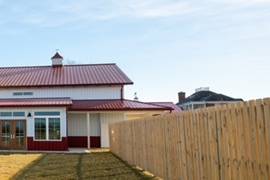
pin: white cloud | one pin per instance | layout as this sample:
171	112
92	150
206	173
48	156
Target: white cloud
241	2
51	13
61	12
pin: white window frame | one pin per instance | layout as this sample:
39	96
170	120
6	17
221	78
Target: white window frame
47	128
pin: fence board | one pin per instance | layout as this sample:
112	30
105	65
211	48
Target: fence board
224	142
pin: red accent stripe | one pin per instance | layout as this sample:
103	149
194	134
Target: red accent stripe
95	142
77	141
47	145
81	141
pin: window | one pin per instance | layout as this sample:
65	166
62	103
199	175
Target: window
28	93
19	114
5	114
17	94
23	93
54	128
12	114
40	128
52	113
47	125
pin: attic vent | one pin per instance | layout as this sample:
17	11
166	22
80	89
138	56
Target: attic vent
57	60
202	89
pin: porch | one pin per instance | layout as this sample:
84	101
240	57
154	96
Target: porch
90	129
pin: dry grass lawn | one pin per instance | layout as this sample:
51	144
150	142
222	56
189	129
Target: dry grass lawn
106	166
101	165
12	164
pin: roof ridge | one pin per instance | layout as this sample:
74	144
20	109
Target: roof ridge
45	66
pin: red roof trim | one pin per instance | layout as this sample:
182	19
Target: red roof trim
67	85
125	109
168	104
85	105
115	105
36	102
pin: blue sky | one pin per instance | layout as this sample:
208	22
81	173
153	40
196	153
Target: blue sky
164	46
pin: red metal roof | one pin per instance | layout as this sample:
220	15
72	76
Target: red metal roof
114	105
169	104
87	105
67	75
35	102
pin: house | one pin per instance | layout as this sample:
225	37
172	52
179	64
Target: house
203	97
60	106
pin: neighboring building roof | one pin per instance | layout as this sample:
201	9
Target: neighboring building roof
207	96
114	105
34	102
169	104
67	75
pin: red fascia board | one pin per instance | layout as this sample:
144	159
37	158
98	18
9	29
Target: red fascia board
36	105
67	85
124	109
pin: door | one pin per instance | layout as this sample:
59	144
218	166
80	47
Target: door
6	134
12	134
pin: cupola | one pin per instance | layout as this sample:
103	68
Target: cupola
57	60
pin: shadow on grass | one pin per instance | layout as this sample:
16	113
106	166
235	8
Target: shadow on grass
138	172
106	165
20	174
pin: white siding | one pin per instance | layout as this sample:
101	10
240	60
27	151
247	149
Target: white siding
77	124
95	125
106	119
109	92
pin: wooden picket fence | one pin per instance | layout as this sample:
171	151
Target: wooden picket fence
224	142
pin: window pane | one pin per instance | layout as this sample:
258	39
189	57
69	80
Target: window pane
40	128
54	128
5	114
19	114
28	93
6	134
17	94
22	93
53	113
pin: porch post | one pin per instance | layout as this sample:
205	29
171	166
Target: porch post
88	130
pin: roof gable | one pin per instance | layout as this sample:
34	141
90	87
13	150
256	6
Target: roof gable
68	75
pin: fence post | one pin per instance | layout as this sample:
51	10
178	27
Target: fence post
217	121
